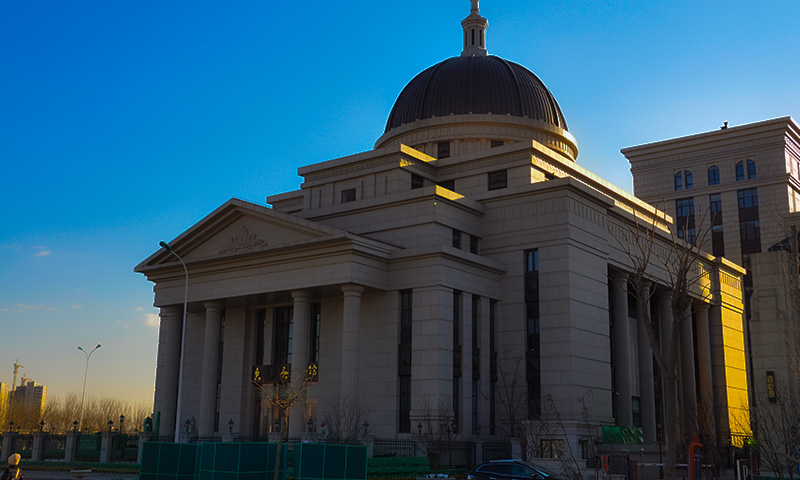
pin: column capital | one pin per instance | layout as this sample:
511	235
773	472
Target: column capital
170	311
300	295
701	306
352	289
211	306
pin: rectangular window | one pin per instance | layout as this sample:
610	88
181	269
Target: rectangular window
404	363
748	198
456	239
532	359
476	337
315	323
349	195
473	244
717	237
219	370
405	404
492	368
684	221
475	407
448	184
417	181
749	227
456	352
443	150
497	143
282	347
498	179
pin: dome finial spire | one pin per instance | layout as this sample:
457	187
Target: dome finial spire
474	32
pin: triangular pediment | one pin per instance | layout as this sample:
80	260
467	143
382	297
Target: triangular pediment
240	228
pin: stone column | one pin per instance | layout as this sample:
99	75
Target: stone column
105	446
351	318
647	396
665	325
704	366
38	446
168	368
71	446
687	374
208	385
301	334
621	360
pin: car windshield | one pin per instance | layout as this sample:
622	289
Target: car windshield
540	470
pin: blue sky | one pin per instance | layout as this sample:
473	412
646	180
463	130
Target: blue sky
123	123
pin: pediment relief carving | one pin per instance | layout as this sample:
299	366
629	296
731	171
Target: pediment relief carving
243	241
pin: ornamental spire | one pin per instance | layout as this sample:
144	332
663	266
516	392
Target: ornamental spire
474	32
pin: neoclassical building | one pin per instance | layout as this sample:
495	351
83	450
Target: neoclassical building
466	249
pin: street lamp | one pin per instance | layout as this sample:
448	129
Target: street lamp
183	337
121	420
85	375
110	425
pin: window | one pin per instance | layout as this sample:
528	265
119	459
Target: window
497	143
456	354
751	169
498	179
713	175
417	181
443	150
739	171
492	368
687	175
456	239
315	323
684	221
404	365
473	244
282	347
749	228
678	182
448	184
748	198
532	360
349	195
717	238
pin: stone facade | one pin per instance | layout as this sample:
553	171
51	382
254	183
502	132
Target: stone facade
406	278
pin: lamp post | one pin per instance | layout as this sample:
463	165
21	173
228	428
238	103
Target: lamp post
85	375
183	338
121	421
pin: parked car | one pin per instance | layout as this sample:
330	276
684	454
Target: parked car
511	470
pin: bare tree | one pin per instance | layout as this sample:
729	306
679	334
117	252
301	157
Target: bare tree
282	395
510	393
435	429
681	259
347	417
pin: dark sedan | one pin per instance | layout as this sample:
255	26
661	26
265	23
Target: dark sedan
511	470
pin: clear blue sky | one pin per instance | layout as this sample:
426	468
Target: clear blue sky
123	123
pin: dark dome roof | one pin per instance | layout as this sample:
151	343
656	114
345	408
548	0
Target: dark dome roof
475	84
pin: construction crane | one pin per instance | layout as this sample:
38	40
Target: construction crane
17	366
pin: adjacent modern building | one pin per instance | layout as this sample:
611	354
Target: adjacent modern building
737	189
29	397
467	251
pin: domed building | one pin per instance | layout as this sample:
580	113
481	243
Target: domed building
466	272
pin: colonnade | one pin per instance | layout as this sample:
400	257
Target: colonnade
624	374
169	350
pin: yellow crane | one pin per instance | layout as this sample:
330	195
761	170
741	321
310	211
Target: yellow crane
17	366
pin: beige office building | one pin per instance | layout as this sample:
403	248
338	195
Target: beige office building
738	188
468	241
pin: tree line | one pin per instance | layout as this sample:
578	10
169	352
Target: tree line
62	414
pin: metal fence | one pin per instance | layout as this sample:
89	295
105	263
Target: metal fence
124	448
53	447
395	447
22	444
89	448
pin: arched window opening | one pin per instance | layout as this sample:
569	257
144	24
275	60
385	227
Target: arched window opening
678	182
689	180
739	171
713	175
751	169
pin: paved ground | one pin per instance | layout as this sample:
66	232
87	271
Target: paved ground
45	475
